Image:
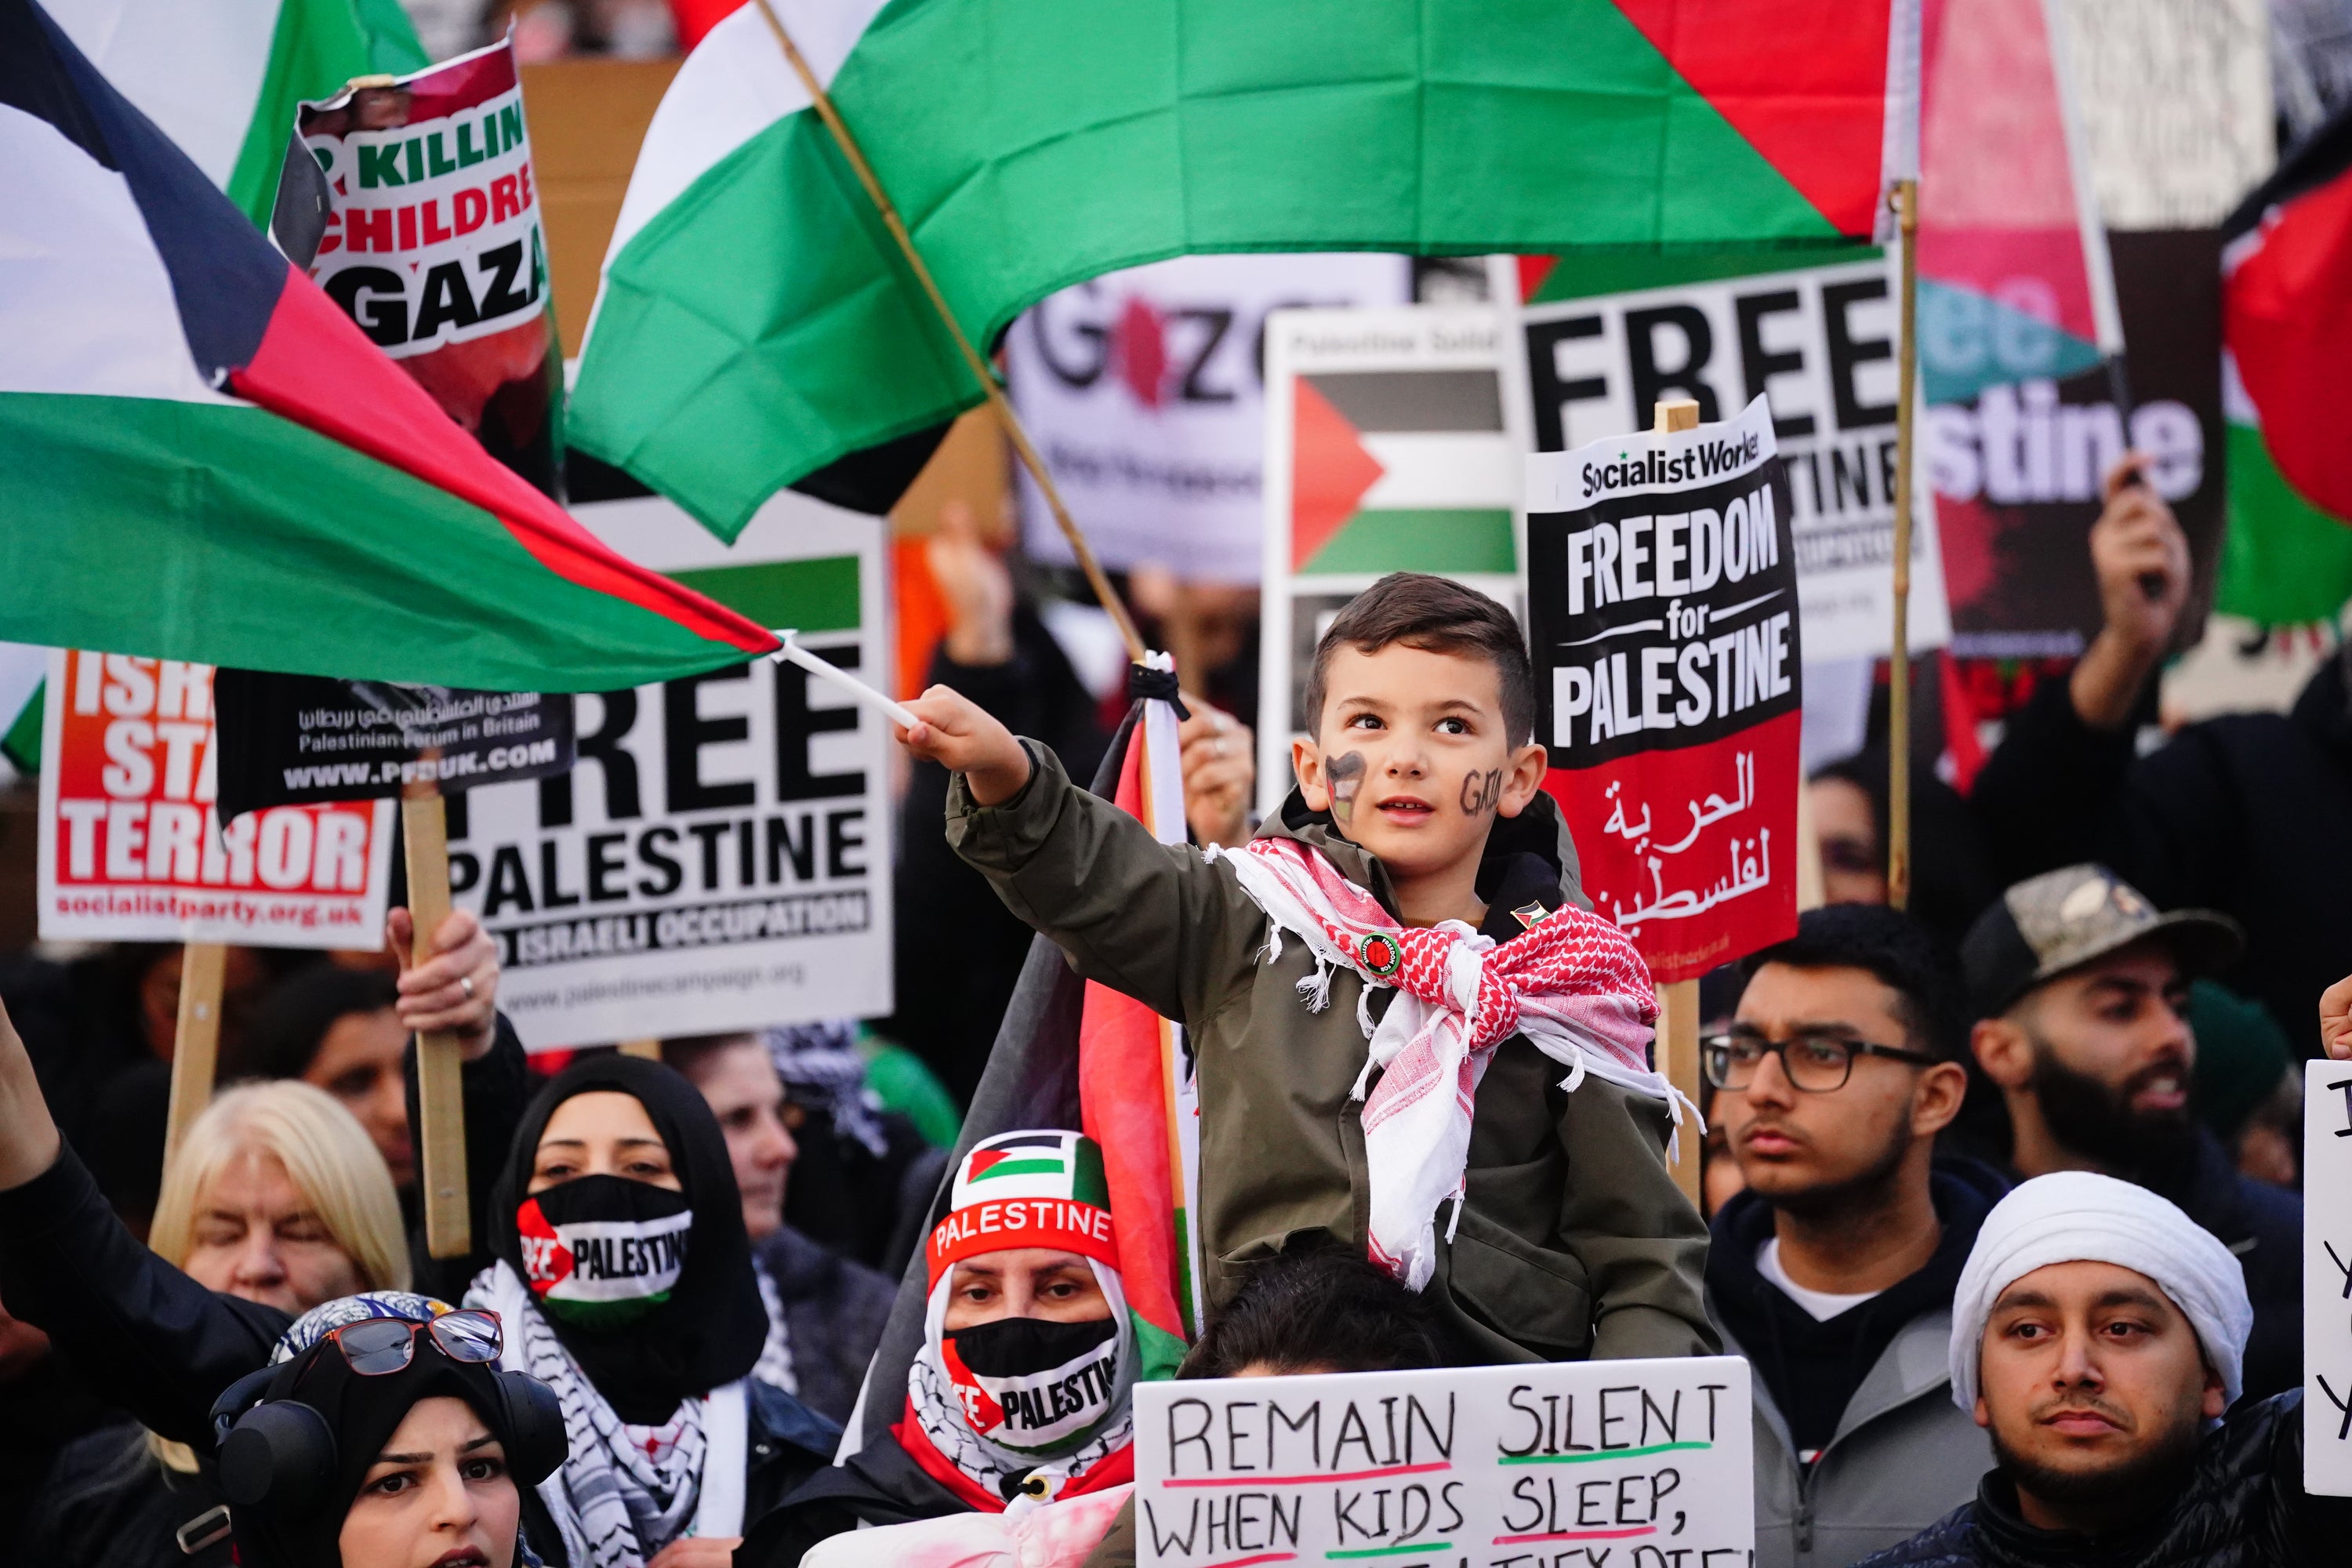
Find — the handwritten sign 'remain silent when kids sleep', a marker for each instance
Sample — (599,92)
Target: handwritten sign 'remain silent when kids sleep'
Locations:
(1620,1464)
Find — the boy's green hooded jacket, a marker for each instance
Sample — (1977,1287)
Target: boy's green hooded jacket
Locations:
(1574,1241)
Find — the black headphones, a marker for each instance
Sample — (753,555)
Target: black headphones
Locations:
(281,1455)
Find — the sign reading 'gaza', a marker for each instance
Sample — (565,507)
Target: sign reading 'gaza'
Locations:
(433,234)
(1661,591)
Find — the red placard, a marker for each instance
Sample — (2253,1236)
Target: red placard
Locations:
(133,847)
(1662,614)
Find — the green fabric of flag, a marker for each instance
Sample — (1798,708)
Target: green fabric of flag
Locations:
(756,322)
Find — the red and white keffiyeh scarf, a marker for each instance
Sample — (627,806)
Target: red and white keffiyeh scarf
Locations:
(1572,984)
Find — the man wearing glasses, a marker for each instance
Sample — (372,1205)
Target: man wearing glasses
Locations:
(2080,989)
(1832,1273)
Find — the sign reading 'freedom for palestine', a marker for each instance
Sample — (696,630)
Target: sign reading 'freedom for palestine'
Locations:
(1662,611)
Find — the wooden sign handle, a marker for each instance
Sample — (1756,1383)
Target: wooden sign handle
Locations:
(648,1048)
(440,1097)
(195,1044)
(1678,1000)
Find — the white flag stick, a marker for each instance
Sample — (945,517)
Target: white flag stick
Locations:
(900,713)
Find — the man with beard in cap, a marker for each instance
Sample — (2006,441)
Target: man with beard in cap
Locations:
(2081,989)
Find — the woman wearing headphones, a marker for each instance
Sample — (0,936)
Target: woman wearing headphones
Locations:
(385,1436)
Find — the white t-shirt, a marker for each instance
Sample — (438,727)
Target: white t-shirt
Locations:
(1823,1304)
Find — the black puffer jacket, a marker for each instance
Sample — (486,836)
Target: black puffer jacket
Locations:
(2244,1507)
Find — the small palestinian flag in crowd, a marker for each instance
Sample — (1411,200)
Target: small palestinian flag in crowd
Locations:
(2286,328)
(227,471)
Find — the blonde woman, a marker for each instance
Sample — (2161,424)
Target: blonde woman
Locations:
(276,1201)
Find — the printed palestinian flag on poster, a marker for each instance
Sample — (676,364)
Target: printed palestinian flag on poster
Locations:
(1385,451)
(222,78)
(226,471)
(2286,322)
(756,325)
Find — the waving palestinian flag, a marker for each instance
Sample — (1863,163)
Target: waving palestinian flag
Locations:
(756,323)
(2286,328)
(207,461)
(223,77)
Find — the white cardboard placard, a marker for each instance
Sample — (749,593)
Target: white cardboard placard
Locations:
(2327,1279)
(720,858)
(1613,1463)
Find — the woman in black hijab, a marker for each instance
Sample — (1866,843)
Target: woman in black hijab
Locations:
(385,1437)
(624,1281)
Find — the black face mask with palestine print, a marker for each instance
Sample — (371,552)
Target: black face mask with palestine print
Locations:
(708,1325)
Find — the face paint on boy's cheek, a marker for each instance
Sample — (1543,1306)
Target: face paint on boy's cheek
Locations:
(1481,793)
(1344,775)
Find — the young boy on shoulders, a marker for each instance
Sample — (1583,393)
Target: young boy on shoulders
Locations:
(1412,1036)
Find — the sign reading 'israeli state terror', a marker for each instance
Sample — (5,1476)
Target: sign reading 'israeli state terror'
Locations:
(1662,613)
(133,844)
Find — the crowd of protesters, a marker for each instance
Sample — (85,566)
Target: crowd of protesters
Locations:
(2001,1196)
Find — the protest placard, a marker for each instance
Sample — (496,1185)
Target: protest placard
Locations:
(134,846)
(428,235)
(1619,1464)
(718,857)
(2017,458)
(1662,619)
(1385,451)
(1818,342)
(1145,390)
(298,739)
(2328,1278)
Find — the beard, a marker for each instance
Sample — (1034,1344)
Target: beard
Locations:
(2144,1487)
(2154,1149)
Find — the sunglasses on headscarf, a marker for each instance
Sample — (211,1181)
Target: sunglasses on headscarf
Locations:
(378,1347)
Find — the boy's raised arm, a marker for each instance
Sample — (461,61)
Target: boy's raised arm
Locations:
(1153,921)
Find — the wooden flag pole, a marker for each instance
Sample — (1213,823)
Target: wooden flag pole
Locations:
(1678,1000)
(440,1097)
(195,1044)
(997,401)
(1898,696)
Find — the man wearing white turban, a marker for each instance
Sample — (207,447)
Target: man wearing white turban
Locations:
(2098,1336)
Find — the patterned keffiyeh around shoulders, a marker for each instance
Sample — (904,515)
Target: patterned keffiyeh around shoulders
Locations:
(1572,984)
(622,1492)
